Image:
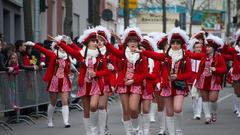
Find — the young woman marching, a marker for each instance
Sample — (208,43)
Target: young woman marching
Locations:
(131,74)
(195,46)
(176,70)
(57,76)
(90,79)
(162,45)
(209,76)
(234,72)
(109,79)
(148,87)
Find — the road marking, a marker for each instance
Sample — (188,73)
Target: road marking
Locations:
(225,97)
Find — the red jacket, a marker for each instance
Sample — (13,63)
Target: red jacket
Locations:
(140,70)
(230,53)
(26,60)
(110,78)
(166,68)
(220,65)
(82,70)
(151,78)
(52,64)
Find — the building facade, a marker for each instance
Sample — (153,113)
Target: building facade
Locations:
(11,20)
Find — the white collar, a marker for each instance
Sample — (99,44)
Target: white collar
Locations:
(175,55)
(150,65)
(91,54)
(103,50)
(61,55)
(131,57)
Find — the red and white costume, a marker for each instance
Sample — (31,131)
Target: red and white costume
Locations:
(204,75)
(88,85)
(132,66)
(110,78)
(57,73)
(150,81)
(172,62)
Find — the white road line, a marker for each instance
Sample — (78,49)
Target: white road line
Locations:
(225,97)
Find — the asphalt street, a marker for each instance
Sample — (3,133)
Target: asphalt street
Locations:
(227,123)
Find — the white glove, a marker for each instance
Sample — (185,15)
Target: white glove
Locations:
(29,43)
(67,39)
(158,86)
(42,64)
(110,67)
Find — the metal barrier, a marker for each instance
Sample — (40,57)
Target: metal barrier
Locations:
(27,89)
(24,90)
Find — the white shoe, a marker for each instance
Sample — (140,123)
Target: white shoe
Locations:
(238,116)
(50,125)
(179,132)
(152,119)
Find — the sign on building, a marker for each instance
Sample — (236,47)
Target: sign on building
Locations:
(153,22)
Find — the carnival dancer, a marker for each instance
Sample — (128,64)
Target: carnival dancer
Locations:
(109,79)
(162,47)
(195,46)
(148,87)
(57,76)
(234,72)
(131,74)
(90,79)
(209,77)
(175,72)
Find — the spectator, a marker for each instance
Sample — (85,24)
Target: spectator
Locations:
(21,52)
(3,60)
(13,62)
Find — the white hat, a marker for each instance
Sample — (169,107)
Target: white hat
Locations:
(200,35)
(104,32)
(215,41)
(58,38)
(177,33)
(87,34)
(191,44)
(131,32)
(150,43)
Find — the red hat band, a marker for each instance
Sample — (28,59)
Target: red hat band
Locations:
(132,35)
(212,43)
(93,35)
(177,36)
(147,44)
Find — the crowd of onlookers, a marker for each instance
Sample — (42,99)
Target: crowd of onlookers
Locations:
(14,57)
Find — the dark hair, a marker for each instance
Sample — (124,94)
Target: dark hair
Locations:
(18,43)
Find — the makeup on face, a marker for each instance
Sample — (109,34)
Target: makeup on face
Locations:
(176,44)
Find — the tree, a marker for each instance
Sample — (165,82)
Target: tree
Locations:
(229,17)
(126,14)
(27,4)
(238,14)
(190,7)
(164,14)
(94,13)
(68,17)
